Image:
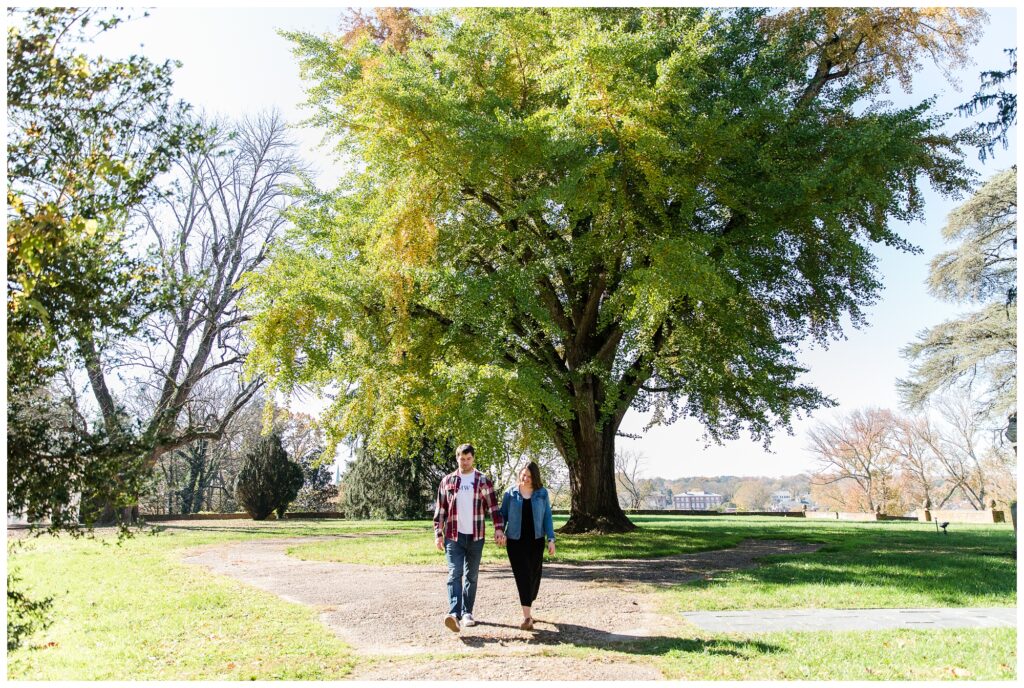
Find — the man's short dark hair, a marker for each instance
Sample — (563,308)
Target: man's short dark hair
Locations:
(465,449)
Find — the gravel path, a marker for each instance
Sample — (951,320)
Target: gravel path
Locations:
(508,668)
(398,610)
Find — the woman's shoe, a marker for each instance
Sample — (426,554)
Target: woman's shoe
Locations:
(527,624)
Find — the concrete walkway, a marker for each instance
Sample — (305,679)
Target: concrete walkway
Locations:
(771,620)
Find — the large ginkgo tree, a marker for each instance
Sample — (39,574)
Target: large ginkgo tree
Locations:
(550,216)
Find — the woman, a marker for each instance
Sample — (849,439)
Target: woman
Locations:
(527,512)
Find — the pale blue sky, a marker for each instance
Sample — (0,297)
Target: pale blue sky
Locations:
(235,63)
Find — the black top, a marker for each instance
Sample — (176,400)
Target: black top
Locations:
(527,532)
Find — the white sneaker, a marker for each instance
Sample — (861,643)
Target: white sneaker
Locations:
(468,620)
(451,623)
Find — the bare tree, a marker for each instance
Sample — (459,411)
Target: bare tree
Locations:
(300,436)
(859,449)
(226,216)
(1000,462)
(556,480)
(633,489)
(898,462)
(841,495)
(504,471)
(223,209)
(916,459)
(969,463)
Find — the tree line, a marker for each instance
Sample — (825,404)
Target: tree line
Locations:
(747,493)
(203,476)
(877,459)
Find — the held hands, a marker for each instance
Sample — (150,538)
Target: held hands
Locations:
(551,547)
(499,538)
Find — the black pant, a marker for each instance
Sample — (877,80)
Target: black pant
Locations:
(527,558)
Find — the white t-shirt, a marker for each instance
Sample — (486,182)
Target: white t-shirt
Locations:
(464,501)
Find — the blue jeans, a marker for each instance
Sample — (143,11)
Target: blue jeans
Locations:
(463,557)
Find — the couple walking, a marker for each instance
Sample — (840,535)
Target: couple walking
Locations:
(521,523)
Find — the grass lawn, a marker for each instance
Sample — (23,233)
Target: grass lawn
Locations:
(977,654)
(133,612)
(875,564)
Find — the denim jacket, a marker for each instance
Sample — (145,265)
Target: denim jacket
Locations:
(512,511)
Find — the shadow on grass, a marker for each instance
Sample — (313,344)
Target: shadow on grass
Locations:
(899,560)
(584,636)
(951,571)
(678,569)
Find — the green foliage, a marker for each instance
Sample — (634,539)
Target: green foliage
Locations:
(317,491)
(267,481)
(397,486)
(983,267)
(556,214)
(979,349)
(86,138)
(25,615)
(994,131)
(52,460)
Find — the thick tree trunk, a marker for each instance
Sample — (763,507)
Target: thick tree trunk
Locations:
(106,514)
(591,461)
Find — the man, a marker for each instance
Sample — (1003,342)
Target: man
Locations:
(463,498)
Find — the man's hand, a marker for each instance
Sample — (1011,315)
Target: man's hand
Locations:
(499,537)
(439,542)
(551,547)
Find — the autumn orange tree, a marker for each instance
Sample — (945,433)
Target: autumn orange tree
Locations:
(859,449)
(551,216)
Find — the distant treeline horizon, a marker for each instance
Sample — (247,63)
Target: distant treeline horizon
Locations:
(726,485)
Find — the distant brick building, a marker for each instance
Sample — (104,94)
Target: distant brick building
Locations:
(697,501)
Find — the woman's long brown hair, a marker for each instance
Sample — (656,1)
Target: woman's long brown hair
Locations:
(535,475)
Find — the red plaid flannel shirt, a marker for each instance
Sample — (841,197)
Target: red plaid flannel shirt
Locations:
(446,520)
